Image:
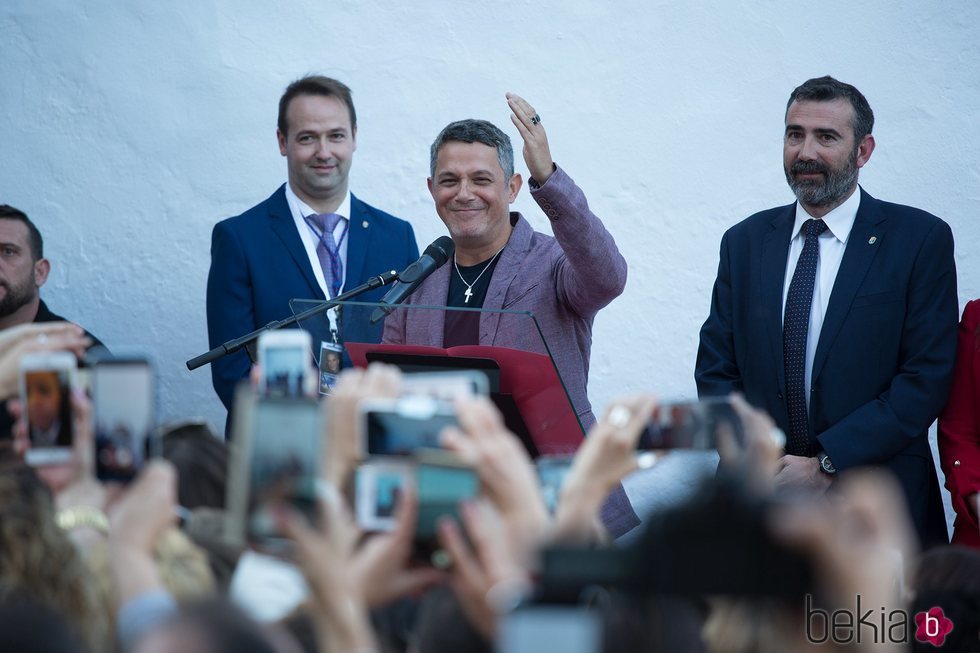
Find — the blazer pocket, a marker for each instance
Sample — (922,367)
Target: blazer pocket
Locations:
(874,299)
(524,293)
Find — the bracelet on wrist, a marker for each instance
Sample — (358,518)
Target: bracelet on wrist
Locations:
(68,519)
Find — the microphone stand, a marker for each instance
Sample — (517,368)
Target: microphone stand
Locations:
(232,346)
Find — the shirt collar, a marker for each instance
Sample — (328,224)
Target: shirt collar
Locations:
(839,221)
(300,207)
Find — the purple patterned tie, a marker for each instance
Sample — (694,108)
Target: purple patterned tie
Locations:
(328,248)
(796,324)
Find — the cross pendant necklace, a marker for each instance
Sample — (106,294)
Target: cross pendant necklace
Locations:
(469,286)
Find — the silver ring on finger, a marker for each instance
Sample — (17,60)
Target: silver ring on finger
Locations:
(619,416)
(42,339)
(535,119)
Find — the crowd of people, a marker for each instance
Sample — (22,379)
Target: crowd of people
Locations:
(832,332)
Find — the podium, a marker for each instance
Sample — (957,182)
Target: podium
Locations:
(524,382)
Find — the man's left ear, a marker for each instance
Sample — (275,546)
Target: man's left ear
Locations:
(41,270)
(353,137)
(865,148)
(514,186)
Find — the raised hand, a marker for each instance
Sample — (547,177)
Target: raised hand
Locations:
(506,472)
(537,154)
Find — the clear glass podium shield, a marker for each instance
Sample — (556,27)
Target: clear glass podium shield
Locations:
(524,381)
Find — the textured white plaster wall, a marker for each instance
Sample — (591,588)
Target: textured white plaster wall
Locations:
(128,128)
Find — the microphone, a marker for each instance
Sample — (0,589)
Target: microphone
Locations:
(434,256)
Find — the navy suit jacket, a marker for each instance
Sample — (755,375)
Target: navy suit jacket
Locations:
(884,360)
(258,263)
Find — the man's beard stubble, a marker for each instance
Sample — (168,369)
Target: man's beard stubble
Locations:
(836,185)
(16,296)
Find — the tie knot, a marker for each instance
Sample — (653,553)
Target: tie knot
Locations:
(814,227)
(325,222)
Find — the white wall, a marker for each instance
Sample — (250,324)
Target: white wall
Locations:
(128,128)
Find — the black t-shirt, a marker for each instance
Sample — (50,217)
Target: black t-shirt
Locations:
(463,327)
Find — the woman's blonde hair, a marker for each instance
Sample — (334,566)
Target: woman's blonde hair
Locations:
(38,559)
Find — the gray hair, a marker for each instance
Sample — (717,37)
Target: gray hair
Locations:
(475,131)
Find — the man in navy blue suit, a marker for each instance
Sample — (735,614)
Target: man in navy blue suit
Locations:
(837,314)
(310,240)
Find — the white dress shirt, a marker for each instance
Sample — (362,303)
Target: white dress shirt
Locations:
(300,210)
(832,243)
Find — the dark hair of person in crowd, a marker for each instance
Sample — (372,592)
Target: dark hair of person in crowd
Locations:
(444,628)
(214,626)
(949,577)
(658,624)
(27,626)
(39,560)
(8,212)
(315,85)
(201,459)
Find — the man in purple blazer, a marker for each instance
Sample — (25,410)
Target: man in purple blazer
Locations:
(502,263)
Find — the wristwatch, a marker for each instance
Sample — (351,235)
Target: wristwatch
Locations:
(826,466)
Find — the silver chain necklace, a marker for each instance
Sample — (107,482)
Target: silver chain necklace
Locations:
(469,286)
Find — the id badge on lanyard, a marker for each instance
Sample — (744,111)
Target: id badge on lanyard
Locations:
(331,354)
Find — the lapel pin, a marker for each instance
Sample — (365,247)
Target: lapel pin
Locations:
(871,241)
(364,224)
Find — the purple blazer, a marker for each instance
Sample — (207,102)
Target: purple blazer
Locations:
(563,280)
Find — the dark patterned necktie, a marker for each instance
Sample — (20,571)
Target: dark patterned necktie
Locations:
(328,249)
(796,324)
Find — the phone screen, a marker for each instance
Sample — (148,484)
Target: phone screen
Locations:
(283,465)
(285,367)
(379,487)
(440,489)
(551,628)
(49,417)
(394,432)
(123,402)
(691,425)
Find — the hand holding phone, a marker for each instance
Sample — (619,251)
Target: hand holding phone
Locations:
(274,463)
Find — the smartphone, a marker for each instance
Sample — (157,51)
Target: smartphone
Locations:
(398,427)
(274,463)
(46,382)
(446,386)
(533,628)
(285,356)
(552,470)
(691,425)
(378,489)
(123,414)
(442,481)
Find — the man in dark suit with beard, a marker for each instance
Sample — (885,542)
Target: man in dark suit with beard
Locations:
(837,314)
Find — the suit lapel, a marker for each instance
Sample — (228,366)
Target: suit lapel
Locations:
(358,243)
(854,266)
(775,249)
(281,220)
(515,252)
(430,323)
